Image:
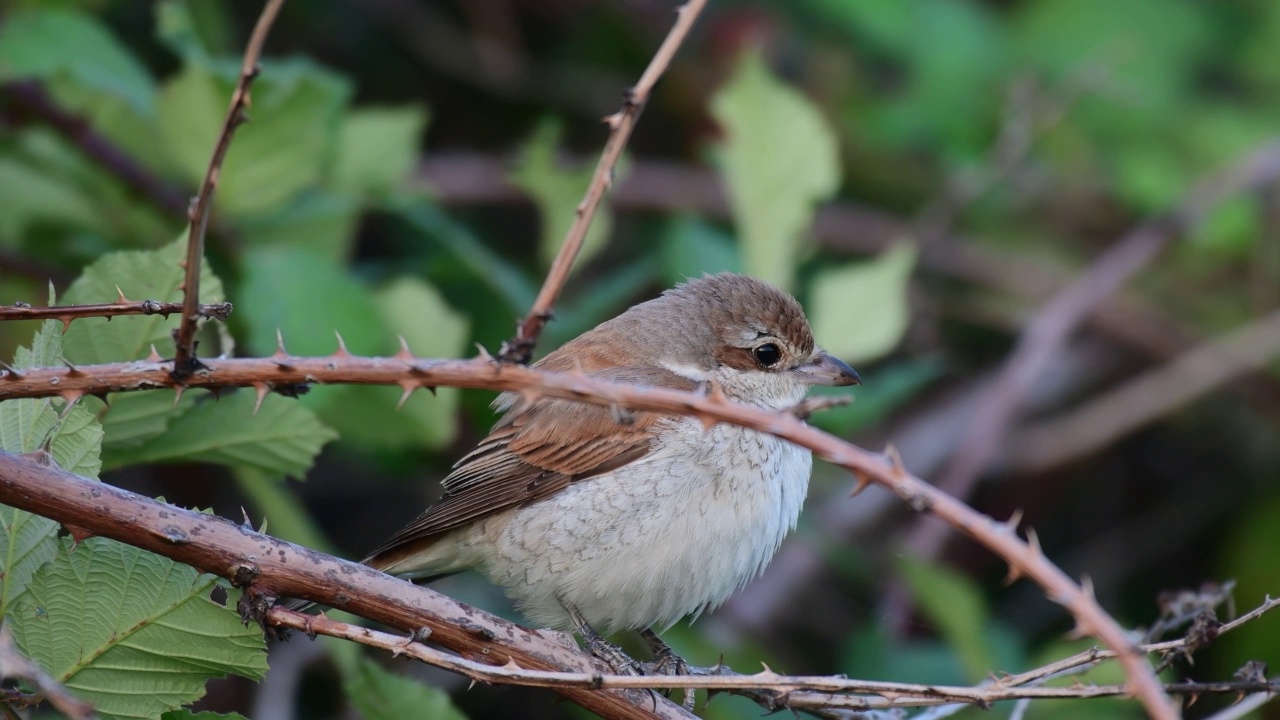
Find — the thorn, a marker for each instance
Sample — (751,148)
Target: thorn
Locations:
(1034,541)
(106,399)
(1086,585)
(216,392)
(280,344)
(246,523)
(11,372)
(342,346)
(432,388)
(77,533)
(280,355)
(405,353)
(1013,522)
(707,422)
(484,354)
(860,484)
(895,460)
(177,395)
(409,387)
(154,356)
(715,393)
(1014,575)
(66,324)
(72,368)
(120,298)
(71,397)
(261,389)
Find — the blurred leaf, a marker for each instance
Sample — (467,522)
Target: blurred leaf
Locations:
(691,246)
(880,394)
(377,148)
(44,44)
(132,633)
(284,149)
(1246,557)
(873,655)
(283,437)
(319,221)
(368,415)
(955,606)
(860,311)
(378,694)
(493,270)
(35,195)
(307,297)
(192,29)
(281,509)
(557,190)
(888,25)
(778,159)
(1149,73)
(185,714)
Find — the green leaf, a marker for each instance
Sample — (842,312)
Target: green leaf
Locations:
(283,437)
(691,246)
(307,297)
(860,311)
(778,158)
(367,415)
(557,190)
(140,275)
(379,694)
(319,221)
(132,633)
(47,44)
(955,606)
(284,149)
(185,714)
(377,148)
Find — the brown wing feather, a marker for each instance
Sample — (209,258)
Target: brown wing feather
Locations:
(534,451)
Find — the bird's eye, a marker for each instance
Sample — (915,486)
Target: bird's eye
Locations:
(768,354)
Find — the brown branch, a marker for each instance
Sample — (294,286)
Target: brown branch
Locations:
(1146,398)
(1047,333)
(1024,557)
(520,348)
(122,306)
(13,664)
(185,361)
(269,568)
(796,692)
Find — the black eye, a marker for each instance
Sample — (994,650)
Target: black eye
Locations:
(767,355)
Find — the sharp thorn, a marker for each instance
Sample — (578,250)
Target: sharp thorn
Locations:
(120,298)
(154,356)
(409,387)
(261,389)
(177,395)
(342,346)
(405,353)
(860,484)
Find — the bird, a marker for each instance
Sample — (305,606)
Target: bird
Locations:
(602,521)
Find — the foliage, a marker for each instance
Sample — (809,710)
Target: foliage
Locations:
(1071,118)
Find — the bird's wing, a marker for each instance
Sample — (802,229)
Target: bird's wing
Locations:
(537,449)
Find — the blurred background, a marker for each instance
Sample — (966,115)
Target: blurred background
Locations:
(1046,232)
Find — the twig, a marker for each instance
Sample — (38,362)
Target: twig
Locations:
(67,313)
(184,361)
(1047,333)
(520,348)
(797,692)
(13,664)
(1151,395)
(1024,557)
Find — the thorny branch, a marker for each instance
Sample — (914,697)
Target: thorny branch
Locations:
(410,373)
(520,348)
(122,306)
(808,693)
(185,362)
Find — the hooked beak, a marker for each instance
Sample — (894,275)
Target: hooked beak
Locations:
(826,369)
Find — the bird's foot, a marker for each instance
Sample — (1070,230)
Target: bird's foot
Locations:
(614,656)
(666,662)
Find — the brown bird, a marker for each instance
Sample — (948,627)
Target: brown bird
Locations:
(598,522)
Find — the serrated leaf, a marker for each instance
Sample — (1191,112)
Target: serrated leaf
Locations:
(860,311)
(185,714)
(130,632)
(377,148)
(778,159)
(283,438)
(955,606)
(557,190)
(367,415)
(136,417)
(46,44)
(284,149)
(378,694)
(141,275)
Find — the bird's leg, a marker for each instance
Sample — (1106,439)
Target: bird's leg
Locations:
(667,662)
(614,656)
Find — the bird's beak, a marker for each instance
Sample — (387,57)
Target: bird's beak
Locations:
(825,369)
